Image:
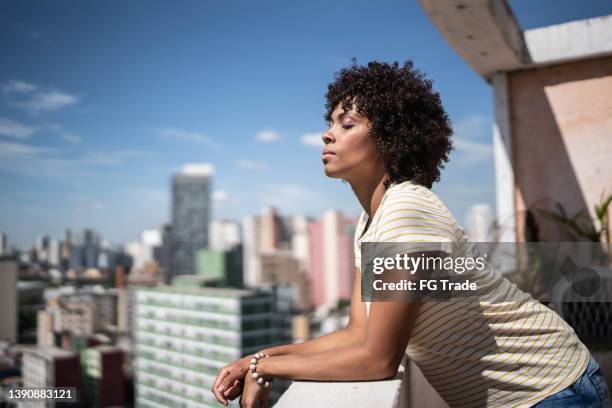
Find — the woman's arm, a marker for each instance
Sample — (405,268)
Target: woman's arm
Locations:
(355,332)
(328,341)
(378,357)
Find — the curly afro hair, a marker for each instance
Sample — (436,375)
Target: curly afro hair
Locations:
(411,128)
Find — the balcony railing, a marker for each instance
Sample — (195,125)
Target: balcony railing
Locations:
(408,388)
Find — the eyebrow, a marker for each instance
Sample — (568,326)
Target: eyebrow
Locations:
(342,115)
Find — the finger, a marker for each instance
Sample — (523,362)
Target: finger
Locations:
(231,387)
(218,387)
(265,398)
(229,381)
(233,391)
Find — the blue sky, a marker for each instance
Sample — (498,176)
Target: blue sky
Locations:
(102,101)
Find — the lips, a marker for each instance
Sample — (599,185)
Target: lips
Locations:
(326,151)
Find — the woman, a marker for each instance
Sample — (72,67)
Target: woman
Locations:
(388,137)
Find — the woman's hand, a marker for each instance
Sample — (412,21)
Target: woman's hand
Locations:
(254,392)
(228,384)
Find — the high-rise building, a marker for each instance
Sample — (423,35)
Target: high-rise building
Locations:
(225,267)
(44,328)
(300,242)
(135,250)
(8,298)
(3,243)
(55,252)
(271,232)
(331,259)
(191,213)
(102,377)
(184,335)
(161,253)
(143,252)
(88,311)
(224,234)
(83,249)
(281,266)
(91,248)
(252,243)
(42,248)
(50,367)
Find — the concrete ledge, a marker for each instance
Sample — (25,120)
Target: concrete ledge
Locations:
(570,41)
(484,32)
(379,394)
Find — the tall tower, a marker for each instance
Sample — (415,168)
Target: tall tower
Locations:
(331,258)
(191,208)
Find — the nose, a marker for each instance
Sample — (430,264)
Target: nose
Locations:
(327,137)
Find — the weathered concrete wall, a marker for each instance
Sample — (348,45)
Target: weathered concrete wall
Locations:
(561,124)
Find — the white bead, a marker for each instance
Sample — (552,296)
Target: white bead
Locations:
(266,384)
(258,355)
(253,361)
(255,375)
(260,381)
(252,366)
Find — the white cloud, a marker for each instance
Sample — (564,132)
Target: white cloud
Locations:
(49,101)
(289,198)
(473,152)
(185,135)
(14,129)
(312,139)
(11,128)
(114,158)
(90,206)
(46,101)
(71,137)
(65,135)
(267,136)
(473,127)
(9,150)
(470,149)
(43,162)
(247,164)
(15,86)
(34,99)
(220,196)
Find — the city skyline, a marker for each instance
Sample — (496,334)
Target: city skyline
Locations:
(121,97)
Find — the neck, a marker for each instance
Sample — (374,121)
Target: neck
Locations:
(369,192)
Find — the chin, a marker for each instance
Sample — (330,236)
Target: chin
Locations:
(329,172)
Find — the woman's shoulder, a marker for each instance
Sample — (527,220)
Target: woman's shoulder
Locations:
(409,195)
(410,207)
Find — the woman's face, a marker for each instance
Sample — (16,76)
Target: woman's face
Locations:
(352,153)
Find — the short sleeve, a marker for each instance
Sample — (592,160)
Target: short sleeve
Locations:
(410,216)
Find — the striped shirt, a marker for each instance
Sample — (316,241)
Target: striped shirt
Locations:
(501,348)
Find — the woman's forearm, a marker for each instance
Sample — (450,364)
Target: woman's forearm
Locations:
(330,341)
(349,363)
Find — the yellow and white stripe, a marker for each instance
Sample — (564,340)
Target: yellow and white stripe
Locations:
(501,348)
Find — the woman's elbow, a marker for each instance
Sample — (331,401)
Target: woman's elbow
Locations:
(383,368)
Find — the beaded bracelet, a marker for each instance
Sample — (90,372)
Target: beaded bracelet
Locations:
(255,374)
